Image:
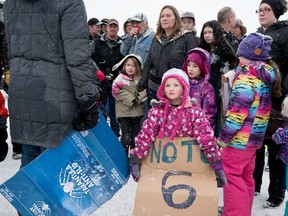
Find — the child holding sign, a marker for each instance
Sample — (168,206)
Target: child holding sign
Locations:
(246,121)
(176,116)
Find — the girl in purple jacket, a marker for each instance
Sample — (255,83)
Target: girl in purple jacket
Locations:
(197,66)
(176,116)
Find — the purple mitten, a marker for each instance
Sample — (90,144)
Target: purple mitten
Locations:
(220,175)
(277,136)
(281,136)
(135,167)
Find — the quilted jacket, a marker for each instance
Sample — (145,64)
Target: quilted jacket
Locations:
(50,68)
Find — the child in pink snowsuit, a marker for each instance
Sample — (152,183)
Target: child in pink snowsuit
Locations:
(176,116)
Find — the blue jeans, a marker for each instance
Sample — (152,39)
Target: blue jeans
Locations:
(29,153)
(108,98)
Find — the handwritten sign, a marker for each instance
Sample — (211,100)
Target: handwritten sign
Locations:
(176,180)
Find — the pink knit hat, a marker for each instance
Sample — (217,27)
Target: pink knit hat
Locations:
(182,77)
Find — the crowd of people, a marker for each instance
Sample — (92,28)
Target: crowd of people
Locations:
(168,82)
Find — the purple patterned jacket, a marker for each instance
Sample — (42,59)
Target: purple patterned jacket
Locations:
(201,89)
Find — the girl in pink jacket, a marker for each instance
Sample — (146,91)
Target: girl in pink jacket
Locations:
(176,116)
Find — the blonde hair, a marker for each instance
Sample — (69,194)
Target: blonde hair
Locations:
(138,71)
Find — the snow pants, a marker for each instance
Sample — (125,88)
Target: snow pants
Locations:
(239,192)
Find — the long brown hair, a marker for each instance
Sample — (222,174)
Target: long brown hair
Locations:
(177,27)
(138,71)
(219,38)
(276,86)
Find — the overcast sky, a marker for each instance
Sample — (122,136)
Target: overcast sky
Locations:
(203,10)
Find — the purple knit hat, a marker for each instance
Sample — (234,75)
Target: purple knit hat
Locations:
(182,77)
(255,47)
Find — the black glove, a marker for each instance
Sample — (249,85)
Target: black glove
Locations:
(3,144)
(135,167)
(141,88)
(89,115)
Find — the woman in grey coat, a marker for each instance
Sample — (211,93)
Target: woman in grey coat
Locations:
(52,76)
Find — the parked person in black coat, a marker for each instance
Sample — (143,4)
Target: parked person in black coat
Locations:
(168,50)
(227,19)
(268,13)
(106,53)
(52,75)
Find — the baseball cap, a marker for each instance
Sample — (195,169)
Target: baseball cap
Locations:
(187,14)
(94,21)
(139,17)
(113,21)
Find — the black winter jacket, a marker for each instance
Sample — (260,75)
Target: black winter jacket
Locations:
(279,53)
(106,54)
(161,58)
(50,68)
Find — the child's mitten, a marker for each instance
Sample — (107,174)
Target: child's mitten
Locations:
(135,167)
(220,175)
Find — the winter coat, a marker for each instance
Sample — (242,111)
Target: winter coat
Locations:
(249,106)
(281,137)
(124,91)
(232,40)
(50,68)
(106,55)
(3,112)
(201,89)
(279,53)
(138,45)
(223,59)
(193,124)
(162,57)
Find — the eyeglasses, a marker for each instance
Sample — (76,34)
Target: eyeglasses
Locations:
(264,10)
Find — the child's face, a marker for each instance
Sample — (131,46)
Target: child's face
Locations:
(208,35)
(187,24)
(193,70)
(130,67)
(173,91)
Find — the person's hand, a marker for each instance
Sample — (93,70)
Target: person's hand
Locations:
(220,175)
(89,115)
(140,88)
(134,31)
(277,136)
(135,167)
(3,144)
(7,77)
(100,75)
(141,96)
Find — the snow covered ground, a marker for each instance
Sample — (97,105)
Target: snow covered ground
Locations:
(122,203)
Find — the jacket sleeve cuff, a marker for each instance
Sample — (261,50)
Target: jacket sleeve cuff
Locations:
(221,143)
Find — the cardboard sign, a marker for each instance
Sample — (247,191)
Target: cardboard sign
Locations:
(176,180)
(76,178)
